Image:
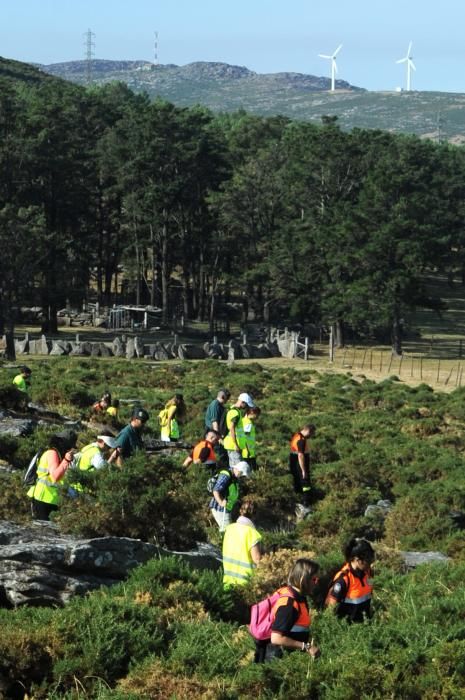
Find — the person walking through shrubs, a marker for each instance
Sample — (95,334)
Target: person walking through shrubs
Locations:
(226,493)
(241,548)
(283,620)
(52,466)
(351,589)
(299,466)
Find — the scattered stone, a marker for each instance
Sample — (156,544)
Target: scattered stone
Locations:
(160,352)
(130,349)
(191,352)
(380,508)
(118,348)
(16,427)
(414,559)
(43,346)
(22,346)
(138,347)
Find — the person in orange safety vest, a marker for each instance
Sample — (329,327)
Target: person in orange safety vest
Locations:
(204,452)
(351,589)
(299,466)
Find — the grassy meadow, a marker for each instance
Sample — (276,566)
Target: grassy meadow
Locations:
(172,632)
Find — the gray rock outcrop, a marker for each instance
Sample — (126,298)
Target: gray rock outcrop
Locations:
(41,566)
(414,559)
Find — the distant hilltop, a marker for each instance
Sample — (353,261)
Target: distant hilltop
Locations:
(226,88)
(150,77)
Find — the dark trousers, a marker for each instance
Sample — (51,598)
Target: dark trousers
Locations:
(41,510)
(265,651)
(301,483)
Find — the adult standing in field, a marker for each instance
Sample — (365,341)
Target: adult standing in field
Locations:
(351,589)
(249,451)
(215,414)
(241,548)
(52,466)
(204,452)
(291,619)
(299,466)
(22,381)
(129,439)
(234,442)
(171,417)
(226,493)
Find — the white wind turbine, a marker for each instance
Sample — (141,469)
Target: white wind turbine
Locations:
(410,65)
(332,58)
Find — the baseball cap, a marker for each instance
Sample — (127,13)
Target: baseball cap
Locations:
(140,413)
(243,468)
(246,398)
(109,441)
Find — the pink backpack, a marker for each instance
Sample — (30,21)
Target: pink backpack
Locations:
(260,614)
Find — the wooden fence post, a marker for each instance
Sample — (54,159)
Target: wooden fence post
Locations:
(439,367)
(400,364)
(363,360)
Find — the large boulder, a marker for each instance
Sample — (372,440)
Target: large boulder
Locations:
(41,566)
(60,347)
(22,346)
(130,349)
(118,347)
(16,427)
(414,559)
(191,352)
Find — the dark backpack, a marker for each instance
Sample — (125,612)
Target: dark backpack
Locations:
(30,476)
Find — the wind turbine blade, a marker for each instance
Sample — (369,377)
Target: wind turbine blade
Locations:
(323,55)
(412,65)
(337,50)
(402,60)
(409,49)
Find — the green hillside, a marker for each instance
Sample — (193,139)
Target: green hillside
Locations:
(222,87)
(171,631)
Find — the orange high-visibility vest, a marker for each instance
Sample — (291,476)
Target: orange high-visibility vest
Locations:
(303,622)
(295,439)
(211,459)
(358,590)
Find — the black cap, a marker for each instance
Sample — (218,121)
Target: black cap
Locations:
(140,413)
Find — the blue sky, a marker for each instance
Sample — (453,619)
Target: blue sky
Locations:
(267,36)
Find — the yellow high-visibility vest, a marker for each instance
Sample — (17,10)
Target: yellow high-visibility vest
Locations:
(45,489)
(248,427)
(228,442)
(238,564)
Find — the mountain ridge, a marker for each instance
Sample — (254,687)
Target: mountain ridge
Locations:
(223,87)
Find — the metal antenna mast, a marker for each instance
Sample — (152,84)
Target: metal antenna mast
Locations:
(90,53)
(155,49)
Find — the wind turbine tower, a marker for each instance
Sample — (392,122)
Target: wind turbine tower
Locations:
(332,58)
(155,50)
(410,65)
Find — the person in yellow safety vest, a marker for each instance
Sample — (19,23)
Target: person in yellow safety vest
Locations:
(112,410)
(234,442)
(241,548)
(249,452)
(92,456)
(299,466)
(53,465)
(226,493)
(170,417)
(22,381)
(351,589)
(204,452)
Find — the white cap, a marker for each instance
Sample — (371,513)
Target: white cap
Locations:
(109,441)
(246,398)
(243,468)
